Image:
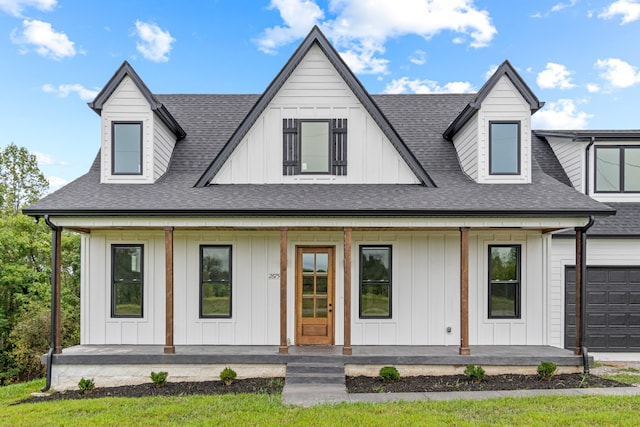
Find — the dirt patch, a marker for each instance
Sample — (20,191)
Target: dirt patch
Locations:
(631,370)
(460,383)
(250,385)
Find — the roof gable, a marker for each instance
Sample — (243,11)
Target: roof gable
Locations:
(126,70)
(316,37)
(505,69)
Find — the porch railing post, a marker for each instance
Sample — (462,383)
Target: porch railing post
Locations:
(58,289)
(346,349)
(464,291)
(169,348)
(284,347)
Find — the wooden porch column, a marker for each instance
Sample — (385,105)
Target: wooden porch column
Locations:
(577,350)
(169,348)
(346,349)
(284,347)
(57,290)
(464,292)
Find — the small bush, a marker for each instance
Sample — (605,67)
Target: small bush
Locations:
(546,370)
(228,375)
(389,373)
(159,378)
(86,386)
(474,373)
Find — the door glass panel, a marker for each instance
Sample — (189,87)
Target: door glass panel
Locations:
(321,285)
(321,307)
(308,263)
(322,263)
(307,307)
(307,285)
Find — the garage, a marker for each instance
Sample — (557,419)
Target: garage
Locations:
(613,308)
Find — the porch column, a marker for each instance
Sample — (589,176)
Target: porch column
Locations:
(346,349)
(169,348)
(284,348)
(577,350)
(464,292)
(55,275)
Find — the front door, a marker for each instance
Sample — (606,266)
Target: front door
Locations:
(314,295)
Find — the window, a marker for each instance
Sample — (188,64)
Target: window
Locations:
(126,280)
(126,149)
(617,169)
(215,281)
(375,282)
(504,148)
(504,282)
(314,146)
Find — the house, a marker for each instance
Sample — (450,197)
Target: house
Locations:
(318,214)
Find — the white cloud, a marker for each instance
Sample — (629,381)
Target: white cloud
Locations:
(555,8)
(16,7)
(419,57)
(299,17)
(56,183)
(154,44)
(405,85)
(618,73)
(629,9)
(46,40)
(555,76)
(45,159)
(593,88)
(360,28)
(562,114)
(63,91)
(491,71)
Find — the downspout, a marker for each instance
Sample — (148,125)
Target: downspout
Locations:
(583,295)
(54,248)
(586,165)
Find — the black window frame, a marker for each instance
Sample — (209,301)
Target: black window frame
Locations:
(200,283)
(517,282)
(388,283)
(113,148)
(292,146)
(114,247)
(519,147)
(621,158)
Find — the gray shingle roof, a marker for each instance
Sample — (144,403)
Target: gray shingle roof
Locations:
(626,221)
(210,120)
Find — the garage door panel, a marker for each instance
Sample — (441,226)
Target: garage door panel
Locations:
(613,308)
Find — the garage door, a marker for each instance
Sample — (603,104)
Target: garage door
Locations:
(613,308)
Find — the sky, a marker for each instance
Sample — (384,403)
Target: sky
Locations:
(580,57)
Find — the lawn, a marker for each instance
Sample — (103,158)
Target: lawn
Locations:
(265,410)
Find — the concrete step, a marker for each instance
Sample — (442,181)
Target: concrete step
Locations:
(315,374)
(315,380)
(315,368)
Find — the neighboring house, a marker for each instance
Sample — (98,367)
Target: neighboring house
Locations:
(316,213)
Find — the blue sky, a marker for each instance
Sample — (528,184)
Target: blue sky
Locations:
(580,57)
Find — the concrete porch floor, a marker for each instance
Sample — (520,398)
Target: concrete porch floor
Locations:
(362,355)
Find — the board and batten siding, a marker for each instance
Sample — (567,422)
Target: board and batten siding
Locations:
(466,144)
(504,103)
(571,156)
(601,252)
(315,90)
(127,104)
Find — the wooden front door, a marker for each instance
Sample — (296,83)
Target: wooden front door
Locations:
(314,295)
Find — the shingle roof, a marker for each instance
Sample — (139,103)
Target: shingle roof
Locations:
(210,120)
(626,221)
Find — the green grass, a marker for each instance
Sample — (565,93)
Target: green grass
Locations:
(264,410)
(624,378)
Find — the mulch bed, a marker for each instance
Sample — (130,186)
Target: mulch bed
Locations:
(249,385)
(460,383)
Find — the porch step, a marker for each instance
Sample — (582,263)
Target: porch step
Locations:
(304,383)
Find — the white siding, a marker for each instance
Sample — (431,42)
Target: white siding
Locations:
(466,143)
(600,252)
(504,102)
(315,90)
(571,156)
(163,142)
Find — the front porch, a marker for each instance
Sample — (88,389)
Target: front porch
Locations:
(111,365)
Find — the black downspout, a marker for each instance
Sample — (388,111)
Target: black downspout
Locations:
(586,165)
(583,295)
(54,248)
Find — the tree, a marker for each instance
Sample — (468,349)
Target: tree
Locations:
(21,181)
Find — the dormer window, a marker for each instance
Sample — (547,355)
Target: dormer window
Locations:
(314,146)
(126,148)
(617,169)
(504,148)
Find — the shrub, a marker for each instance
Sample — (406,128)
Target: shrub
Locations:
(86,386)
(389,373)
(474,373)
(159,378)
(546,370)
(228,375)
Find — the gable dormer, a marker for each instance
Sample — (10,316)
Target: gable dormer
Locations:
(138,134)
(315,123)
(492,134)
